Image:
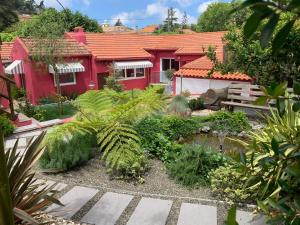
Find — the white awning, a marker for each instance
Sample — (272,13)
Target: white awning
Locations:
(16,67)
(67,68)
(132,65)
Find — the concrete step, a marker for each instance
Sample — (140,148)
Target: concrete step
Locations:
(151,211)
(247,218)
(108,209)
(73,201)
(195,214)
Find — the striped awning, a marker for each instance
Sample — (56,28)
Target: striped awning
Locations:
(68,68)
(16,67)
(132,65)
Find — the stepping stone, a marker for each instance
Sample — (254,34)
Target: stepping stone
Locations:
(73,201)
(10,143)
(108,209)
(195,214)
(247,218)
(151,211)
(48,183)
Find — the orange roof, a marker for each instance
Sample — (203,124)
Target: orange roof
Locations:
(203,73)
(5,50)
(65,47)
(149,29)
(201,67)
(135,45)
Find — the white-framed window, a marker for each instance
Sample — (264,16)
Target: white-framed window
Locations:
(132,73)
(66,79)
(168,64)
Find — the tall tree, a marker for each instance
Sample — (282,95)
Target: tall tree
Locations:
(119,23)
(8,15)
(184,23)
(218,17)
(170,23)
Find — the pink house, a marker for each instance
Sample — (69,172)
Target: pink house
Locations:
(141,59)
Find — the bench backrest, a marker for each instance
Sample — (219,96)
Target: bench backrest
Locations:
(246,92)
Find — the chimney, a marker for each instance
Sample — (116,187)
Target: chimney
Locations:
(79,35)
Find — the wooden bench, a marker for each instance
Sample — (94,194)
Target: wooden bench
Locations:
(245,95)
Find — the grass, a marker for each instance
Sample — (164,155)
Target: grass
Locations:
(50,112)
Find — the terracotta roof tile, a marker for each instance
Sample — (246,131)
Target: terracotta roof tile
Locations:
(203,73)
(69,47)
(135,45)
(5,50)
(201,63)
(149,29)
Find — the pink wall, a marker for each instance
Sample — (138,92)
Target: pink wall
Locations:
(39,83)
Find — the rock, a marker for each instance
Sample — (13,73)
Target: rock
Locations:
(205,129)
(215,133)
(242,134)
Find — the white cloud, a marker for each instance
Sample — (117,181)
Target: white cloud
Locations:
(65,3)
(203,6)
(184,2)
(157,9)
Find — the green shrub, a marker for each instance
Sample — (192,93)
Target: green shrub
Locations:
(157,133)
(175,127)
(31,111)
(128,162)
(233,122)
(191,167)
(6,125)
(196,104)
(227,182)
(179,106)
(65,154)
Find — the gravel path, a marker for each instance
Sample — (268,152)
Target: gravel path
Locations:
(156,181)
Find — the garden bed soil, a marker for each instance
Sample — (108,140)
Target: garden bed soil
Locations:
(156,181)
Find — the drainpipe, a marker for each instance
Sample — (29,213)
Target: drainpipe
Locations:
(181,84)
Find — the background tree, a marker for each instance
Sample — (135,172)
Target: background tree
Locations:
(170,24)
(119,23)
(8,14)
(184,23)
(218,17)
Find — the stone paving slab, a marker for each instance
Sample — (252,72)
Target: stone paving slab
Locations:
(10,143)
(195,214)
(73,201)
(247,218)
(48,183)
(108,209)
(151,211)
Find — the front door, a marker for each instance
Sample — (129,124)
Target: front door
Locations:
(102,80)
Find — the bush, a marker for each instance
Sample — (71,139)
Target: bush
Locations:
(191,167)
(31,111)
(65,154)
(227,182)
(232,122)
(157,133)
(127,163)
(6,125)
(175,127)
(196,104)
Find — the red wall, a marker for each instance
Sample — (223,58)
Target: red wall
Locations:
(39,83)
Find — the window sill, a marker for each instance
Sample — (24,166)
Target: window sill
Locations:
(66,84)
(131,78)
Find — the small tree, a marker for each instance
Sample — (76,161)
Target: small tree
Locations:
(184,23)
(170,24)
(119,23)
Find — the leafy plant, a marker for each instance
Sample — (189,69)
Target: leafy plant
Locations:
(27,195)
(111,116)
(31,111)
(191,167)
(6,126)
(175,127)
(231,217)
(225,121)
(196,104)
(227,182)
(272,163)
(65,154)
(179,106)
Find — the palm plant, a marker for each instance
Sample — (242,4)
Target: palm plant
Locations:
(179,105)
(110,115)
(21,194)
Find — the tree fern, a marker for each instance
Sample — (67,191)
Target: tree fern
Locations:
(110,114)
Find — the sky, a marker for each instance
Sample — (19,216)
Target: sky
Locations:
(134,13)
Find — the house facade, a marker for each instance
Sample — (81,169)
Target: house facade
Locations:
(89,57)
